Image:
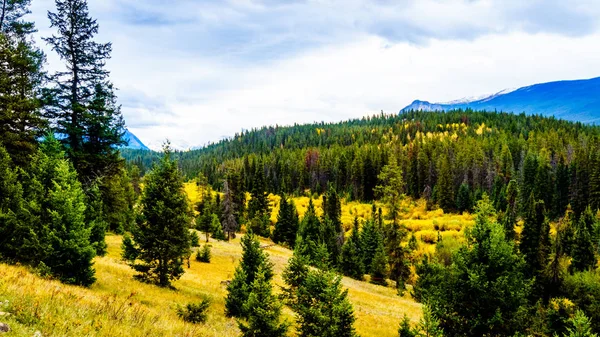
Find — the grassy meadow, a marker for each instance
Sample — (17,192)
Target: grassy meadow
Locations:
(119,305)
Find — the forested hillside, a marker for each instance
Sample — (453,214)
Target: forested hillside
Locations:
(447,158)
(490,221)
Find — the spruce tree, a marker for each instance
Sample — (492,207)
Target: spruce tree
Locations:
(487,274)
(370,240)
(162,238)
(332,222)
(21,79)
(445,185)
(253,260)
(12,228)
(391,188)
(405,330)
(204,222)
(463,198)
(583,257)
(379,267)
(322,307)
(428,325)
(217,228)
(71,252)
(397,255)
(287,224)
(535,245)
(509,219)
(311,232)
(263,310)
(351,259)
(82,104)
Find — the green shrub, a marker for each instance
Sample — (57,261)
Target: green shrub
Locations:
(194,313)
(195,239)
(203,254)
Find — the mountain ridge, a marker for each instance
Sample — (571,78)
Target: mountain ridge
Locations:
(572,100)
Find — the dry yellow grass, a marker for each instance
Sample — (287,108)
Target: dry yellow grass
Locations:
(118,305)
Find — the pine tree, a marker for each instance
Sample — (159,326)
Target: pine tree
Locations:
(162,239)
(391,188)
(229,222)
(287,224)
(397,255)
(509,219)
(204,222)
(527,180)
(253,260)
(294,274)
(217,228)
(259,203)
(263,310)
(561,189)
(405,330)
(583,249)
(21,79)
(379,267)
(82,102)
(535,244)
(370,240)
(445,185)
(322,307)
(352,264)
(94,216)
(71,253)
(595,180)
(311,233)
(428,325)
(332,222)
(486,273)
(12,228)
(463,198)
(581,326)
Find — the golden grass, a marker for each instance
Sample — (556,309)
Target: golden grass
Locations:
(118,305)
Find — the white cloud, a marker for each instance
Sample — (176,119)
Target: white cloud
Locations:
(195,71)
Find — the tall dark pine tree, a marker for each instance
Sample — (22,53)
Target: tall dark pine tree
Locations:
(509,219)
(583,245)
(352,264)
(333,235)
(535,243)
(162,239)
(82,102)
(445,185)
(21,78)
(287,224)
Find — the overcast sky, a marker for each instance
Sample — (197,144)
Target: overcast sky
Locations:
(195,71)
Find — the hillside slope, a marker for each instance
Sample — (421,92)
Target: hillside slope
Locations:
(119,305)
(577,101)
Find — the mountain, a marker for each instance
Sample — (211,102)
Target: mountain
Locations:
(577,100)
(134,142)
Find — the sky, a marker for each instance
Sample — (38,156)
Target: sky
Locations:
(197,71)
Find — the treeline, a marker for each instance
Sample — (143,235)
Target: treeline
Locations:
(63,183)
(449,158)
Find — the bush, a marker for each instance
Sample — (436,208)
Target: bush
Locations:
(203,254)
(194,313)
(195,239)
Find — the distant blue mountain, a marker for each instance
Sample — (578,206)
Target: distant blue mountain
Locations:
(133,141)
(577,100)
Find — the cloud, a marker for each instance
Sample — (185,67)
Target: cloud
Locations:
(193,70)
